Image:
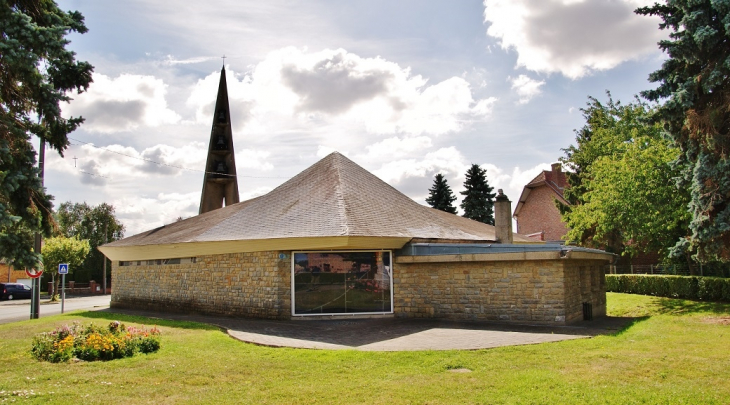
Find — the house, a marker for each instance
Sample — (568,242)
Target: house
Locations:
(337,240)
(10,275)
(536,214)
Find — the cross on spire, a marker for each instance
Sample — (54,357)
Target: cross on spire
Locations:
(224,60)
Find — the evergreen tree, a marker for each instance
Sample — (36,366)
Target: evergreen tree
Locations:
(478,203)
(36,73)
(440,195)
(694,85)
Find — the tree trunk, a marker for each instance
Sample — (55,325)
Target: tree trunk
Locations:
(690,267)
(56,282)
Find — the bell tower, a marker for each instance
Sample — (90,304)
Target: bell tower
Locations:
(220,184)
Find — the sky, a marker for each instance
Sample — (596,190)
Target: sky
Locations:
(406,89)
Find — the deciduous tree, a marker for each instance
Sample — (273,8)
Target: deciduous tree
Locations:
(63,250)
(623,195)
(97,224)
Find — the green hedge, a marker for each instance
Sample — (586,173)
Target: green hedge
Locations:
(687,287)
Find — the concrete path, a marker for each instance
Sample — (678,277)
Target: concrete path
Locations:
(390,334)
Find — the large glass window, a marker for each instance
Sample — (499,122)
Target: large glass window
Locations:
(341,282)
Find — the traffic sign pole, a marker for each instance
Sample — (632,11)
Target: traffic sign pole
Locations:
(35,291)
(63,291)
(63,270)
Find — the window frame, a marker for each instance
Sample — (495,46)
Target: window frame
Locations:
(347,314)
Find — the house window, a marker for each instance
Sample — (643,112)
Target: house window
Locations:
(342,283)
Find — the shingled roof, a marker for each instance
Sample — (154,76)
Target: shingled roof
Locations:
(334,198)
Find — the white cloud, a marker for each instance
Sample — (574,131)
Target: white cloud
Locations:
(144,213)
(253,159)
(526,88)
(571,37)
(448,161)
(170,60)
(323,151)
(293,88)
(398,147)
(117,162)
(512,183)
(123,103)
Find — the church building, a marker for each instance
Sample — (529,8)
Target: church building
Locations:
(336,241)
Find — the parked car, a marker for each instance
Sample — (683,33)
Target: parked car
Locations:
(14,291)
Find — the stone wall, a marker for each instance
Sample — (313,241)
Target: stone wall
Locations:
(242,284)
(534,291)
(484,288)
(585,282)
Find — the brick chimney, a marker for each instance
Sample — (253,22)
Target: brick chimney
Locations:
(503,218)
(556,167)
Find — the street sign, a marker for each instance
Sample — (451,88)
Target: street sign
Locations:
(63,268)
(34,273)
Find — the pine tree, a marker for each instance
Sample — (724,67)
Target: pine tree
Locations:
(440,195)
(694,87)
(37,73)
(478,203)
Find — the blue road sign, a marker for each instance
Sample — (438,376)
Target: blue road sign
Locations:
(63,268)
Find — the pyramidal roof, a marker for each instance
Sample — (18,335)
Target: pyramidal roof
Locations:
(332,198)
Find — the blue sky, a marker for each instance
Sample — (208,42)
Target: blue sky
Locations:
(406,89)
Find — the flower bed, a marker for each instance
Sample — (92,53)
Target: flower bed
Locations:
(92,342)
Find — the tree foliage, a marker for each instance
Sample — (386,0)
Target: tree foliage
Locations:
(478,203)
(440,195)
(622,190)
(64,250)
(694,85)
(97,224)
(36,73)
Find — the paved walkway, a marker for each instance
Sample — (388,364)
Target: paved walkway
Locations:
(390,334)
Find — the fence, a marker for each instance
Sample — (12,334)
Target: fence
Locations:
(74,288)
(714,270)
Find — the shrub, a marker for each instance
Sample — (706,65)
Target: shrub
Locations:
(92,343)
(687,287)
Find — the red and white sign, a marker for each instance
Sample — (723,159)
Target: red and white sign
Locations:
(34,273)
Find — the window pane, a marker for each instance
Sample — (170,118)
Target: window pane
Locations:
(347,282)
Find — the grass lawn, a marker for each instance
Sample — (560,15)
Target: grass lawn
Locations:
(677,352)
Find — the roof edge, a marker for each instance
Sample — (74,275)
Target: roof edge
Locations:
(194,249)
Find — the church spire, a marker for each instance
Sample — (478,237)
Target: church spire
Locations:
(220,184)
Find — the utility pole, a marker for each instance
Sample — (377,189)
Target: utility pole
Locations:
(106,240)
(35,301)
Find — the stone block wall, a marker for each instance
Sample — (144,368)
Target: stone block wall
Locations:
(252,284)
(534,291)
(585,282)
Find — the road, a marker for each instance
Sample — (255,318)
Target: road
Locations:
(19,310)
